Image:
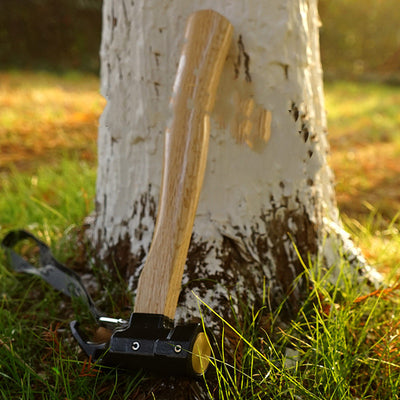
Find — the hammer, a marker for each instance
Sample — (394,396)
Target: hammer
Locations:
(150,340)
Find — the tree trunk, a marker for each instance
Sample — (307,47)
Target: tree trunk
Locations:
(267,189)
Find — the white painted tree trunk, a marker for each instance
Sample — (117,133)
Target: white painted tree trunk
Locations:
(265,190)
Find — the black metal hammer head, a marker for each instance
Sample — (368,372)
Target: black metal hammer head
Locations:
(151,342)
(147,341)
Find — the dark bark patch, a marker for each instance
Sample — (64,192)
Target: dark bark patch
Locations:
(286,71)
(157,56)
(145,205)
(156,88)
(288,230)
(122,260)
(304,130)
(260,252)
(294,111)
(119,263)
(285,231)
(242,55)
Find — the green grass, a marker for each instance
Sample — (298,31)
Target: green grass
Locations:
(45,116)
(363,112)
(51,197)
(364,124)
(38,359)
(341,345)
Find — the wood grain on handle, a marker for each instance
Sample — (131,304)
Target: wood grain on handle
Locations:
(207,40)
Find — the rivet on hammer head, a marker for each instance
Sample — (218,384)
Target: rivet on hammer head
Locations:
(135,346)
(178,348)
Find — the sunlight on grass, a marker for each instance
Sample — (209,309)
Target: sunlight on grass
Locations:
(341,345)
(51,199)
(361,113)
(378,239)
(364,133)
(44,115)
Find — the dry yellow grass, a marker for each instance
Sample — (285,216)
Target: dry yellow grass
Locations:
(364,127)
(43,116)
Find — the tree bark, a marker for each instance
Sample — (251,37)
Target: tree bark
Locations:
(268,189)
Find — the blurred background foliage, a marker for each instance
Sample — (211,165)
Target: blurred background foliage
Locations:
(50,34)
(360,39)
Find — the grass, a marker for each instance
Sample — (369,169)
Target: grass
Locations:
(340,346)
(38,359)
(44,117)
(364,122)
(51,197)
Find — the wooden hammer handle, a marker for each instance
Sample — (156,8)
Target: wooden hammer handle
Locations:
(207,40)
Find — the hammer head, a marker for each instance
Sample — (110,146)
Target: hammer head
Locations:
(151,342)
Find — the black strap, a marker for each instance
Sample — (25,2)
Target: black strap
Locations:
(53,272)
